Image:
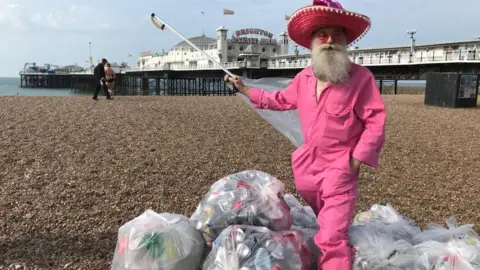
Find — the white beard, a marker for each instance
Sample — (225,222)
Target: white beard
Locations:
(330,62)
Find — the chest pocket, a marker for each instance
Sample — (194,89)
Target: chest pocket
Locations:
(337,123)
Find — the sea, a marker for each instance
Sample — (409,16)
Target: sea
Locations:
(11,87)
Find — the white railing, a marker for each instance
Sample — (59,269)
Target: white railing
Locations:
(146,68)
(82,73)
(418,58)
(389,60)
(287,65)
(364,59)
(86,72)
(231,65)
(290,61)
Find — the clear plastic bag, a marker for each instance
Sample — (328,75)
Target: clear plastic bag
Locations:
(436,232)
(158,241)
(384,213)
(375,250)
(429,253)
(303,217)
(309,236)
(253,247)
(386,219)
(249,197)
(463,255)
(286,122)
(292,201)
(453,255)
(304,220)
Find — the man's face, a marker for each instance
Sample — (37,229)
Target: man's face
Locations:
(330,35)
(330,61)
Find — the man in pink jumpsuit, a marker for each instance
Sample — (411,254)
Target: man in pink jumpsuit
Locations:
(342,116)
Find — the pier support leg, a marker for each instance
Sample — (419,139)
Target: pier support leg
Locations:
(157,86)
(145,86)
(381,86)
(245,73)
(395,87)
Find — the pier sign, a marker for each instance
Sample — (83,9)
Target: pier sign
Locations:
(238,38)
(253,31)
(245,40)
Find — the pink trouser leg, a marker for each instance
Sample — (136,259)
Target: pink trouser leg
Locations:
(333,196)
(339,194)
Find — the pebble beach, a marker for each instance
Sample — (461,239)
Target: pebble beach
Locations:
(74,170)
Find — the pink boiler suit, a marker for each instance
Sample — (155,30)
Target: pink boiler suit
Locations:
(348,120)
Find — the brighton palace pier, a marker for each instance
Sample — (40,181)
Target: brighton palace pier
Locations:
(256,53)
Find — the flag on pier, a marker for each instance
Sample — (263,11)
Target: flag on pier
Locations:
(287,17)
(228,12)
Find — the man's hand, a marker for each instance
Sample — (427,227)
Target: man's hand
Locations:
(238,84)
(355,165)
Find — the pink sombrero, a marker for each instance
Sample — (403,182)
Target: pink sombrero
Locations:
(325,13)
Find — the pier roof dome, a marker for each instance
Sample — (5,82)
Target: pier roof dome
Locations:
(201,42)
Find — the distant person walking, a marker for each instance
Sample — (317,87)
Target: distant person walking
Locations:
(99,74)
(110,77)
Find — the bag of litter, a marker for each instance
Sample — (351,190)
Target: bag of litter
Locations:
(429,253)
(453,255)
(158,241)
(302,216)
(439,233)
(253,247)
(375,250)
(388,220)
(309,236)
(292,201)
(249,197)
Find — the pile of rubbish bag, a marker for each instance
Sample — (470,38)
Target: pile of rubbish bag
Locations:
(158,241)
(253,247)
(245,221)
(250,198)
(384,239)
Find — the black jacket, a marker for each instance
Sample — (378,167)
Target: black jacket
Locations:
(99,71)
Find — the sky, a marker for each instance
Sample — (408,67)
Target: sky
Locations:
(59,31)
